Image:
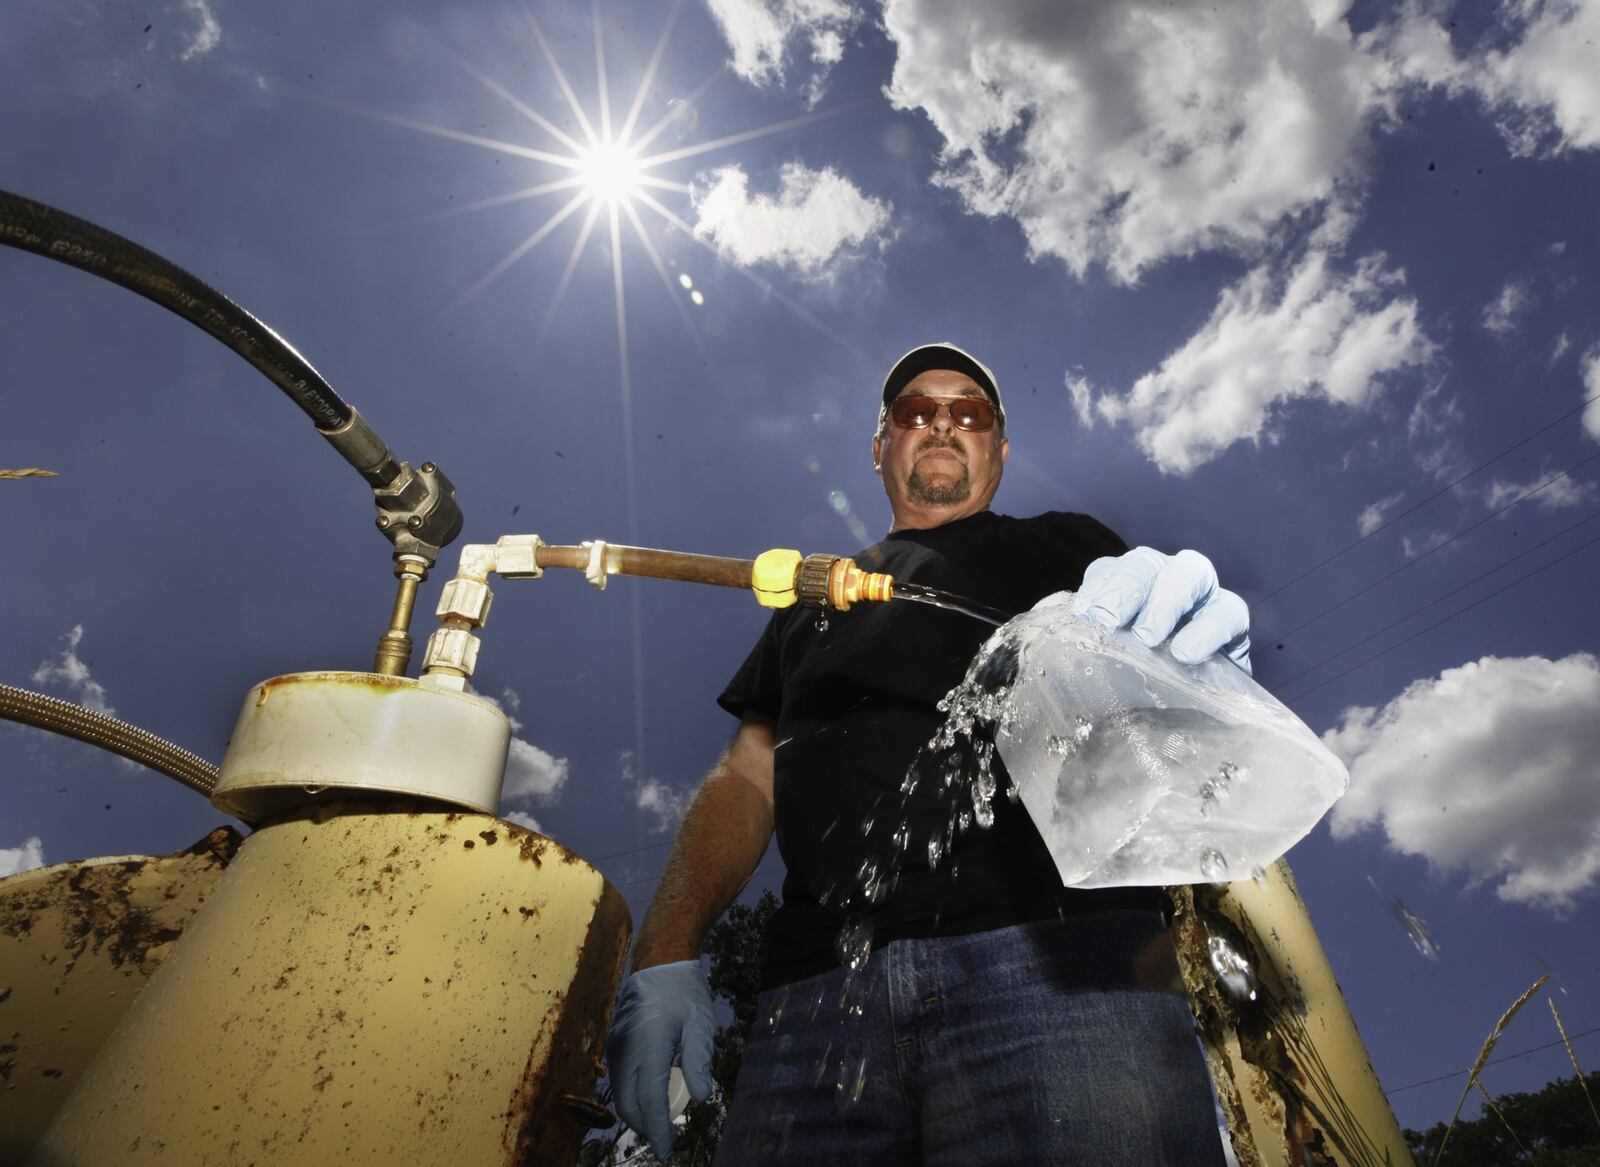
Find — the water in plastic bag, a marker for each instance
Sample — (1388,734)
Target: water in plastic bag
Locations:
(1139,770)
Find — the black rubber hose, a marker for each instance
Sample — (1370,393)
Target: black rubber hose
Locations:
(31,226)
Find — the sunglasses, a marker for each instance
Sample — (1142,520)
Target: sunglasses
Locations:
(972,414)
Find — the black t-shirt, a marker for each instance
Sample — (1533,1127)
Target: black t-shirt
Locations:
(855,703)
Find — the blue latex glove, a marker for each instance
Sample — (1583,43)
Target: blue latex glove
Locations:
(1158,593)
(664,1015)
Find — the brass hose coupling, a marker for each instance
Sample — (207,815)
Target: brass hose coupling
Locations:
(834,581)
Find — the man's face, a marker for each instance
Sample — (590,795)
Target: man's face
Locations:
(939,473)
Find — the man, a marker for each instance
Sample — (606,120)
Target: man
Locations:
(932,993)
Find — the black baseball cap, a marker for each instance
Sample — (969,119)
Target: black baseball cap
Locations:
(940,355)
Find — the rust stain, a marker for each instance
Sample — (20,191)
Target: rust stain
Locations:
(540,1128)
(489,837)
(103,917)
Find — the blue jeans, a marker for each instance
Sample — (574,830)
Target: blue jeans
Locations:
(1066,1041)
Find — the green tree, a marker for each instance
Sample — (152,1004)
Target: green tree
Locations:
(1553,1127)
(735,945)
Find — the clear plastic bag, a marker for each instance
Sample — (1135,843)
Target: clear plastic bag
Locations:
(1139,770)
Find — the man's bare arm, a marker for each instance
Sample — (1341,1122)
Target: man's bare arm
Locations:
(723,836)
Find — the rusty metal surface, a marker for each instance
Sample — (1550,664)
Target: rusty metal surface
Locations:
(77,943)
(366,984)
(544,1124)
(1290,1070)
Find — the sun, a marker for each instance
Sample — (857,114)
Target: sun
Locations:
(610,172)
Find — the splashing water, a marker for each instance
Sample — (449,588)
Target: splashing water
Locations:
(1416,928)
(1233,971)
(855,944)
(953,603)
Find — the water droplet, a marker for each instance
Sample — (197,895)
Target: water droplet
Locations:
(866,825)
(825,896)
(955,871)
(1416,928)
(935,852)
(828,830)
(1233,971)
(1082,729)
(963,820)
(1087,671)
(854,944)
(871,879)
(852,1080)
(1258,876)
(1213,865)
(901,838)
(1060,747)
(775,1011)
(822,1064)
(822,621)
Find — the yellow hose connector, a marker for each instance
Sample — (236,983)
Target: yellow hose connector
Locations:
(772,579)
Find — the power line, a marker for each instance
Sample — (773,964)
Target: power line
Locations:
(1441,491)
(1438,599)
(1520,579)
(1492,1062)
(1437,547)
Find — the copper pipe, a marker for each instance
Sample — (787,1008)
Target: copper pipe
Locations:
(648,561)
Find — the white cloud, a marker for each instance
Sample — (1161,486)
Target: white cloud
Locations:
(1488,769)
(763,33)
(1553,493)
(522,819)
(815,215)
(69,671)
(1412,548)
(26,857)
(1563,343)
(1377,514)
(1543,90)
(1124,132)
(532,774)
(1500,314)
(1591,388)
(1271,339)
(1081,393)
(207,33)
(662,802)
(1431,427)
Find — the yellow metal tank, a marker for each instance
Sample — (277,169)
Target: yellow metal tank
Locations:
(368,983)
(77,943)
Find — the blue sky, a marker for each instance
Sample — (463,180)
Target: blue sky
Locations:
(1260,282)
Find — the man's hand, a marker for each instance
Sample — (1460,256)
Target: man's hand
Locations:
(664,1013)
(1158,594)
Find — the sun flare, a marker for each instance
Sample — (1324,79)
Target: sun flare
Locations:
(611,172)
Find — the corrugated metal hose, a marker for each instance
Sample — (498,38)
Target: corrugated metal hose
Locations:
(108,733)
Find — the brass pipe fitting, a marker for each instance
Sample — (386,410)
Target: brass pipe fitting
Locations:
(834,581)
(394,646)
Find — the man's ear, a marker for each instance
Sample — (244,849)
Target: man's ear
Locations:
(1005,449)
(877,453)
